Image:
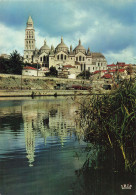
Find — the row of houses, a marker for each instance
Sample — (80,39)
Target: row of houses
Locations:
(69,71)
(113,70)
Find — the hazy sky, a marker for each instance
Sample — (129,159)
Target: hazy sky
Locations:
(107,26)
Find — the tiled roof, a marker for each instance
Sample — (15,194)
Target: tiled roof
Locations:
(121,70)
(111,65)
(107,76)
(114,70)
(97,71)
(68,66)
(30,68)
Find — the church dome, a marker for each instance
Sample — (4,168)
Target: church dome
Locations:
(79,48)
(62,46)
(45,48)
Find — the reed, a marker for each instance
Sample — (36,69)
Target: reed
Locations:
(110,120)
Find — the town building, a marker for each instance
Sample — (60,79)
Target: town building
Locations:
(5,56)
(61,55)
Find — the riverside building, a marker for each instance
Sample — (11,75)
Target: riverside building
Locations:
(80,58)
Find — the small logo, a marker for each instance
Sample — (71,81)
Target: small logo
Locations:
(126,187)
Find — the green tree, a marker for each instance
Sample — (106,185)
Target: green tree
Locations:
(4,65)
(16,63)
(84,75)
(53,72)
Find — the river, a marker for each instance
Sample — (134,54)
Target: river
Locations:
(42,147)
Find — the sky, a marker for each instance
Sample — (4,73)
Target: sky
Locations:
(106,26)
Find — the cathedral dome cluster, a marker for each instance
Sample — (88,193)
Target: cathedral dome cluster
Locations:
(80,58)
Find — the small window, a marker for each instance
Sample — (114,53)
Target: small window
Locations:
(40,58)
(65,57)
(93,68)
(71,58)
(76,58)
(58,57)
(83,58)
(89,68)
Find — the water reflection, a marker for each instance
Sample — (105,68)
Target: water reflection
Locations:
(51,119)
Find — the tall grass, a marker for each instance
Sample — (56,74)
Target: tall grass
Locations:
(110,120)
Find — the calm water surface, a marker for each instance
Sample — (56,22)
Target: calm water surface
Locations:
(40,147)
(39,140)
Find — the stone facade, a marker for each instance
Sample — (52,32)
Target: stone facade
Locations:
(81,58)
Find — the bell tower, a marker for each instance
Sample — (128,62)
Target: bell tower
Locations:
(29,41)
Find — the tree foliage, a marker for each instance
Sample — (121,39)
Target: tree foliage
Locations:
(52,72)
(13,65)
(85,74)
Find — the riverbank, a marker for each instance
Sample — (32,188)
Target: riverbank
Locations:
(28,93)
(18,82)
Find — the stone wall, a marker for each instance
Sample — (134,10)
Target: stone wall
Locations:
(15,82)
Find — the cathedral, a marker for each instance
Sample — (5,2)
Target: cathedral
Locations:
(79,58)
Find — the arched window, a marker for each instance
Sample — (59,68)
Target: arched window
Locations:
(65,57)
(41,59)
(58,57)
(44,58)
(79,58)
(61,56)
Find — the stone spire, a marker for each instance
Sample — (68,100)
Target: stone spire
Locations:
(61,39)
(88,51)
(29,23)
(79,42)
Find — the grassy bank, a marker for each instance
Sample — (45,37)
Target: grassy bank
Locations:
(110,120)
